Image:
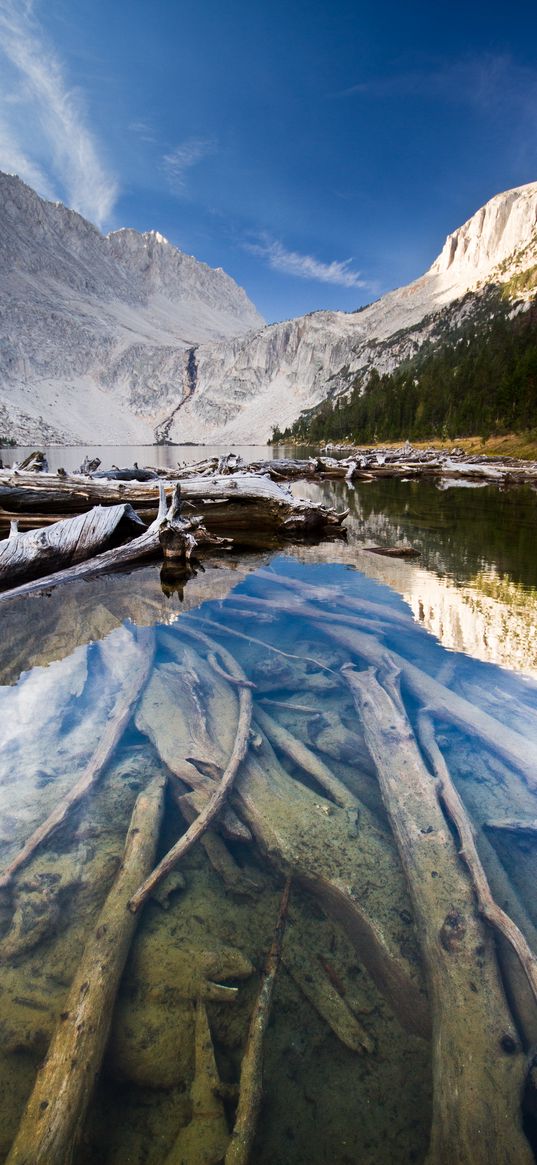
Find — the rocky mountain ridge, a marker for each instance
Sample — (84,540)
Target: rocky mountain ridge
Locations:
(122,338)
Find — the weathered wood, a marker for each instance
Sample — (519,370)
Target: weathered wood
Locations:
(94,769)
(302,833)
(478,1064)
(72,540)
(205,1138)
(251,1084)
(246,506)
(54,1116)
(513,825)
(456,812)
(211,810)
(303,756)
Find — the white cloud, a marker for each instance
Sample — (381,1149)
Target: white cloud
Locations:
(43,98)
(178,161)
(306,266)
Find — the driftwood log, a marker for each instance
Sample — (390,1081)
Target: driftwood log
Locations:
(72,540)
(251,1084)
(246,507)
(54,1116)
(478,1065)
(222,789)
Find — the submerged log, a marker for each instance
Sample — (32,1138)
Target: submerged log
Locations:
(54,1116)
(303,834)
(456,812)
(513,825)
(94,769)
(303,756)
(251,1084)
(222,789)
(71,540)
(478,1067)
(205,1138)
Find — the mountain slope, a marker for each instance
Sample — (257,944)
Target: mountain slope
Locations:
(245,386)
(96,331)
(123,338)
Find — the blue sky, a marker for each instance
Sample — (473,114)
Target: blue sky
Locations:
(318,152)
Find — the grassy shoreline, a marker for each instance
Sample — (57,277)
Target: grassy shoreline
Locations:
(522,445)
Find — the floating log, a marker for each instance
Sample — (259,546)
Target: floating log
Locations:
(245,506)
(213,807)
(251,1084)
(476,1053)
(72,540)
(54,1116)
(104,751)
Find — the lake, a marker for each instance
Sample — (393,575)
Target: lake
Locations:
(348,1066)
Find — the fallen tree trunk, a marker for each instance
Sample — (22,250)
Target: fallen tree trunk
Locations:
(310,839)
(111,736)
(251,1085)
(54,1116)
(246,506)
(215,804)
(63,543)
(478,1067)
(140,549)
(513,825)
(303,756)
(456,812)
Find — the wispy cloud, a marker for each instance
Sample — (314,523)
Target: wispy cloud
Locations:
(179,160)
(34,85)
(143,129)
(339,271)
(482,81)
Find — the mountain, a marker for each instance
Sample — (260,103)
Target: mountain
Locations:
(96,332)
(245,386)
(122,338)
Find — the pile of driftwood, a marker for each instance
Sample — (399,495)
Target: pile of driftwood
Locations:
(236,768)
(372,464)
(244,510)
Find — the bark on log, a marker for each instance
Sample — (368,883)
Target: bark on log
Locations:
(64,543)
(251,1085)
(54,1116)
(111,736)
(213,807)
(477,1069)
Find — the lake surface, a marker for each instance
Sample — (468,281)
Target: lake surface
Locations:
(348,1073)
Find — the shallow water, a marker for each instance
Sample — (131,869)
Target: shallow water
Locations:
(347,1077)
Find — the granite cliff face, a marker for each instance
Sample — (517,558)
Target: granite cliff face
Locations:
(245,386)
(96,331)
(123,338)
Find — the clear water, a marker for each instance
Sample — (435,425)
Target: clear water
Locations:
(463,613)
